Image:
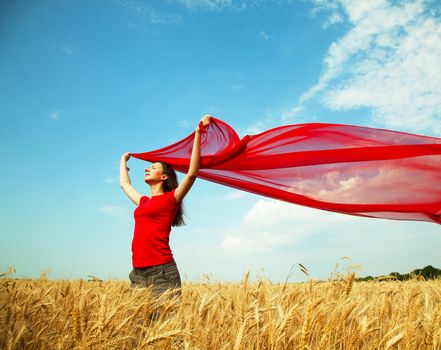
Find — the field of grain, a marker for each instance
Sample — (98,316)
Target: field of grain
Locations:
(334,314)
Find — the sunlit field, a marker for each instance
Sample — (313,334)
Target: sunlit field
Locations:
(333,314)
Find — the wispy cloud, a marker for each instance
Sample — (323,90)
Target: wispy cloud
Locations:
(54,115)
(143,15)
(271,119)
(57,48)
(237,86)
(265,36)
(233,195)
(229,5)
(388,62)
(271,224)
(68,50)
(259,126)
(333,19)
(214,110)
(215,5)
(270,212)
(184,124)
(120,213)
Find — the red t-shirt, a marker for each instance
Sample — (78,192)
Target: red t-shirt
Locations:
(153,219)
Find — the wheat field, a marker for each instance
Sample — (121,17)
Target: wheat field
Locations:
(333,314)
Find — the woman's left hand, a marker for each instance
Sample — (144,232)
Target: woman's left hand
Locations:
(205,120)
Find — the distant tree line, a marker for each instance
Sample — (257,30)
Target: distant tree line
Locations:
(427,273)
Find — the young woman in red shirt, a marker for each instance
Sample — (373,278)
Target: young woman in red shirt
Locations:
(152,259)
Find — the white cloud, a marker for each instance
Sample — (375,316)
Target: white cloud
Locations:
(120,213)
(57,48)
(265,36)
(109,180)
(183,124)
(333,7)
(267,122)
(388,61)
(268,213)
(237,87)
(211,110)
(271,224)
(257,242)
(68,50)
(143,15)
(235,5)
(333,19)
(233,195)
(272,119)
(54,115)
(215,5)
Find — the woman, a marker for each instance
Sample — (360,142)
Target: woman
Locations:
(152,259)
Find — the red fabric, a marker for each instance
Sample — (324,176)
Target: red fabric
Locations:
(153,219)
(341,168)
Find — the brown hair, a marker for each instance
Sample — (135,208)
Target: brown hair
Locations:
(170,184)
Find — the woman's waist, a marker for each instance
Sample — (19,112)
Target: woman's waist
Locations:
(154,228)
(157,267)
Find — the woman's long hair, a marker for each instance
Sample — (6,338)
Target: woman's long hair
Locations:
(170,184)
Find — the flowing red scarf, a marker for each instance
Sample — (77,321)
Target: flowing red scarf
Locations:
(341,168)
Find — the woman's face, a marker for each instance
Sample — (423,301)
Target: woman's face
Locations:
(154,173)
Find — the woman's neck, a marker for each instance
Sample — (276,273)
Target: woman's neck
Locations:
(156,189)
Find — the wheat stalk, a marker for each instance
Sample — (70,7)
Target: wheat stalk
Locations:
(166,335)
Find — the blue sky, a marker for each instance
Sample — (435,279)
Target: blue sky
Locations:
(83,82)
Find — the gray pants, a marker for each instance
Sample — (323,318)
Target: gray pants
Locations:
(160,277)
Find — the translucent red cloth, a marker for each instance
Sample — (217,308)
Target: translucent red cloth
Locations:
(341,168)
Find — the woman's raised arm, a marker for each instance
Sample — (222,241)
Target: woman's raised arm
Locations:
(124,180)
(195,161)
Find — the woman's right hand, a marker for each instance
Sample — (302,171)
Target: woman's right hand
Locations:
(205,121)
(125,157)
